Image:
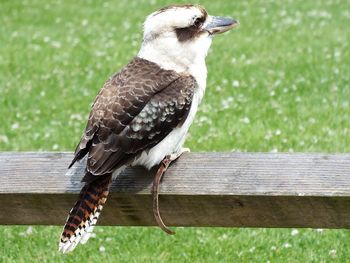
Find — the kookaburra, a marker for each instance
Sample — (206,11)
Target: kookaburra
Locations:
(143,112)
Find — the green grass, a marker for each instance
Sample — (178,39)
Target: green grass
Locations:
(278,83)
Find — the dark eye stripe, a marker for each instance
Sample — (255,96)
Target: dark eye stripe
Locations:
(188,33)
(191,32)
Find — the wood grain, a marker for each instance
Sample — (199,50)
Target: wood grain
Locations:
(200,189)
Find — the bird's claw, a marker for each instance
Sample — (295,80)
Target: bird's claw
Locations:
(177,155)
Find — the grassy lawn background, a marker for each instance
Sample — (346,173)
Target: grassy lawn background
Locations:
(280,82)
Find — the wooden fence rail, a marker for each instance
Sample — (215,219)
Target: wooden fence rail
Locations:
(200,189)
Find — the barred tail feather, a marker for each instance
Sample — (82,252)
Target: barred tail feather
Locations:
(83,216)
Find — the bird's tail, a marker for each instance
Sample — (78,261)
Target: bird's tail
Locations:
(83,216)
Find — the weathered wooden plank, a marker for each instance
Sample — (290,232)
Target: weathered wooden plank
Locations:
(200,189)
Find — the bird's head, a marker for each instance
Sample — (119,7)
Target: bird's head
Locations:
(181,33)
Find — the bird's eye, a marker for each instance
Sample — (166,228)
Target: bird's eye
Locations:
(198,22)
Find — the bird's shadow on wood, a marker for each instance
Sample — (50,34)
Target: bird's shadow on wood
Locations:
(136,179)
(133,180)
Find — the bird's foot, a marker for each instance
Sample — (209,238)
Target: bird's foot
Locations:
(155,192)
(175,156)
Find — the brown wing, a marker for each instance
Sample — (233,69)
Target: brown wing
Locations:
(164,111)
(136,109)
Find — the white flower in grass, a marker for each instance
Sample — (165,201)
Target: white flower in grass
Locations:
(245,120)
(287,245)
(85,22)
(235,83)
(55,147)
(251,250)
(102,249)
(4,139)
(29,230)
(295,232)
(56,44)
(15,126)
(333,253)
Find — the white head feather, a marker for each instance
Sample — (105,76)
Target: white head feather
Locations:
(162,45)
(165,20)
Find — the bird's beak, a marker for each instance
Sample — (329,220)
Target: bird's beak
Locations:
(218,25)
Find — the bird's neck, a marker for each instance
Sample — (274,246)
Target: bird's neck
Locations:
(178,58)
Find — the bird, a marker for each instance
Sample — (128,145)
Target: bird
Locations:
(142,114)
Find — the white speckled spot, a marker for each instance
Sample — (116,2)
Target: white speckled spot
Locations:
(136,127)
